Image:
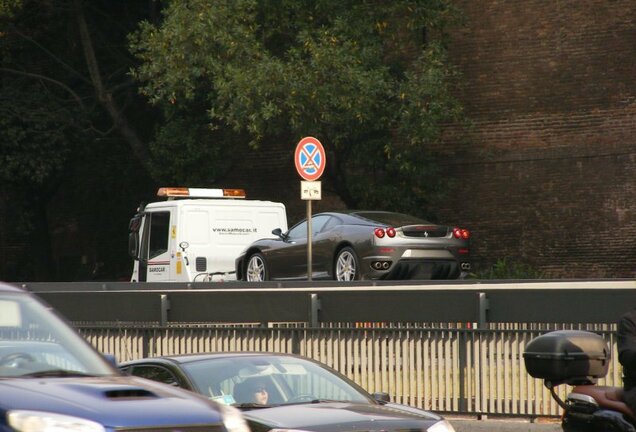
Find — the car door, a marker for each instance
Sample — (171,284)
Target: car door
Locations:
(289,259)
(321,246)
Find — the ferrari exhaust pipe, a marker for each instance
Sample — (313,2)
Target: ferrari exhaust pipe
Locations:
(381,265)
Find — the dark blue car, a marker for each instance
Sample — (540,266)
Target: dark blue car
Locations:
(51,379)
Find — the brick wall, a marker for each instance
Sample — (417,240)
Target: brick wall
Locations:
(546,173)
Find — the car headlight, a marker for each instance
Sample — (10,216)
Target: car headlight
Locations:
(441,426)
(233,419)
(39,421)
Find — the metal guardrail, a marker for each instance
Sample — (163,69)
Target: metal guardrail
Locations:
(597,301)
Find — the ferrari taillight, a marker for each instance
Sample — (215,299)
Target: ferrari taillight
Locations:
(461,233)
(380,232)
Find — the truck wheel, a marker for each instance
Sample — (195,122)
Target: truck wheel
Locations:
(256,269)
(346,266)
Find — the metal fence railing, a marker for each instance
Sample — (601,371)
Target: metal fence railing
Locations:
(458,370)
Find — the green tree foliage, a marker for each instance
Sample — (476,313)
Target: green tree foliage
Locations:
(184,153)
(358,75)
(8,8)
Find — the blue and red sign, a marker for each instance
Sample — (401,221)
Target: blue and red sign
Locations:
(310,158)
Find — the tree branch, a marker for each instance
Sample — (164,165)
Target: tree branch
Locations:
(45,78)
(53,56)
(105,97)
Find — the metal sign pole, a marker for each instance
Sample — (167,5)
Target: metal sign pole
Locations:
(310,160)
(309,270)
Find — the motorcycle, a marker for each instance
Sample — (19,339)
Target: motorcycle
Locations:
(579,358)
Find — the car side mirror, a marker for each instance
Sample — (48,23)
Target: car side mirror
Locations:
(133,245)
(382,397)
(277,232)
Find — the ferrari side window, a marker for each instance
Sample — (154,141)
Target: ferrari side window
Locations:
(331,223)
(298,232)
(318,223)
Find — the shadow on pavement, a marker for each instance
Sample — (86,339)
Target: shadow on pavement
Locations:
(503,425)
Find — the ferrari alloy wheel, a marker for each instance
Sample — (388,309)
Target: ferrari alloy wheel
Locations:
(347,265)
(256,269)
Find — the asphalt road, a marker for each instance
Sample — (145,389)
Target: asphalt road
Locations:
(503,425)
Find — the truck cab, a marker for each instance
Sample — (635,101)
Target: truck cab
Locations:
(195,234)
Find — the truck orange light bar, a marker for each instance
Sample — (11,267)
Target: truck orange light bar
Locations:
(182,192)
(234,193)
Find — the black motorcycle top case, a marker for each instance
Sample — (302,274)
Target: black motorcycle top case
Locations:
(567,356)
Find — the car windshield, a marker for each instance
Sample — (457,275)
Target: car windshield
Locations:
(250,381)
(35,342)
(391,219)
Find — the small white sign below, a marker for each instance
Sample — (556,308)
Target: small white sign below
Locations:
(310,190)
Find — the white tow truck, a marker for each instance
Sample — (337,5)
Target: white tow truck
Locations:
(196,234)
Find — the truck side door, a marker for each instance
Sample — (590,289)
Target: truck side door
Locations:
(155,246)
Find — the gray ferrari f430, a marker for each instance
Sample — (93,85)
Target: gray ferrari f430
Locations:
(352,245)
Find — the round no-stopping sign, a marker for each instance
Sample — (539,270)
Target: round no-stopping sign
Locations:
(310,158)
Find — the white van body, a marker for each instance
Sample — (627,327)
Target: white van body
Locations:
(198,240)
